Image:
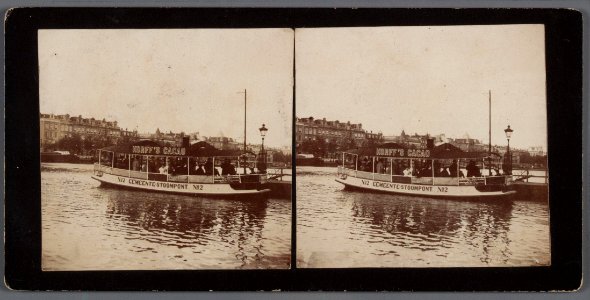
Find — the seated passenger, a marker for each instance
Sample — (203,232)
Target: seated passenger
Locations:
(407,171)
(379,167)
(227,168)
(453,169)
(209,166)
(473,170)
(200,170)
(135,164)
(163,169)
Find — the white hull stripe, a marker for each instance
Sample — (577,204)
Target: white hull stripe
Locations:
(416,189)
(175,187)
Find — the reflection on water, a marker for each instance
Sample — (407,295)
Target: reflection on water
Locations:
(337,228)
(86,227)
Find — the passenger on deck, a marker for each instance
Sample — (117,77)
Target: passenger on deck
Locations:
(407,171)
(144,167)
(366,165)
(379,167)
(437,170)
(227,168)
(209,167)
(426,170)
(444,173)
(163,169)
(453,169)
(135,164)
(473,170)
(200,170)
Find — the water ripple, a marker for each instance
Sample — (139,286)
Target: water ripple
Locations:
(86,227)
(337,228)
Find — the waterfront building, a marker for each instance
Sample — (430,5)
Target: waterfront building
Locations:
(334,132)
(416,140)
(536,151)
(223,143)
(162,137)
(55,127)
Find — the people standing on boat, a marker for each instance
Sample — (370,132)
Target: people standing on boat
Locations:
(135,164)
(163,169)
(379,167)
(200,170)
(437,170)
(473,170)
(209,166)
(407,171)
(453,168)
(445,173)
(366,165)
(227,168)
(426,170)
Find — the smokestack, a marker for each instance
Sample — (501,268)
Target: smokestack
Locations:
(430,143)
(185,141)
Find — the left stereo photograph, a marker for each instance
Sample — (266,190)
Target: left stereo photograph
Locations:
(165,149)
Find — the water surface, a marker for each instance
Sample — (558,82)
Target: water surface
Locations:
(88,227)
(339,228)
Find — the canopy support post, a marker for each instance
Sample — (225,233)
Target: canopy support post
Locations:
(129,161)
(458,170)
(432,170)
(373,168)
(390,169)
(213,168)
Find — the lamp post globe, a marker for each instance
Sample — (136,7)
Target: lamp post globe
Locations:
(508,131)
(263,131)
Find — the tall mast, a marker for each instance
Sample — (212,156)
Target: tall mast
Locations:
(490,123)
(245,120)
(490,133)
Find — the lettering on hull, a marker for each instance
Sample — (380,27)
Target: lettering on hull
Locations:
(445,191)
(188,188)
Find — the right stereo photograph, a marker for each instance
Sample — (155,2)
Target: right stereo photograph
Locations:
(421,146)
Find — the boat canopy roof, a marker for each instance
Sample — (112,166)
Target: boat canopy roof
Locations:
(443,151)
(149,147)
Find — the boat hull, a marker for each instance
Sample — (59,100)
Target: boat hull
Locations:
(175,187)
(438,191)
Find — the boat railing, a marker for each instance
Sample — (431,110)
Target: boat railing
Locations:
(179,178)
(481,180)
(472,181)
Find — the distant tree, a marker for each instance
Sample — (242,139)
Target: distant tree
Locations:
(347,143)
(316,147)
(73,144)
(332,147)
(369,142)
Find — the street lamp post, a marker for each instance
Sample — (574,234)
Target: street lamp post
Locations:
(508,169)
(263,131)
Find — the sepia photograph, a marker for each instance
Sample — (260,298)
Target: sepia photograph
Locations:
(293,149)
(165,149)
(422,146)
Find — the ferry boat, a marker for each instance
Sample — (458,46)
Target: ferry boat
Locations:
(443,171)
(198,169)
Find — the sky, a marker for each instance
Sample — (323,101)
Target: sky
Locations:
(427,79)
(189,80)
